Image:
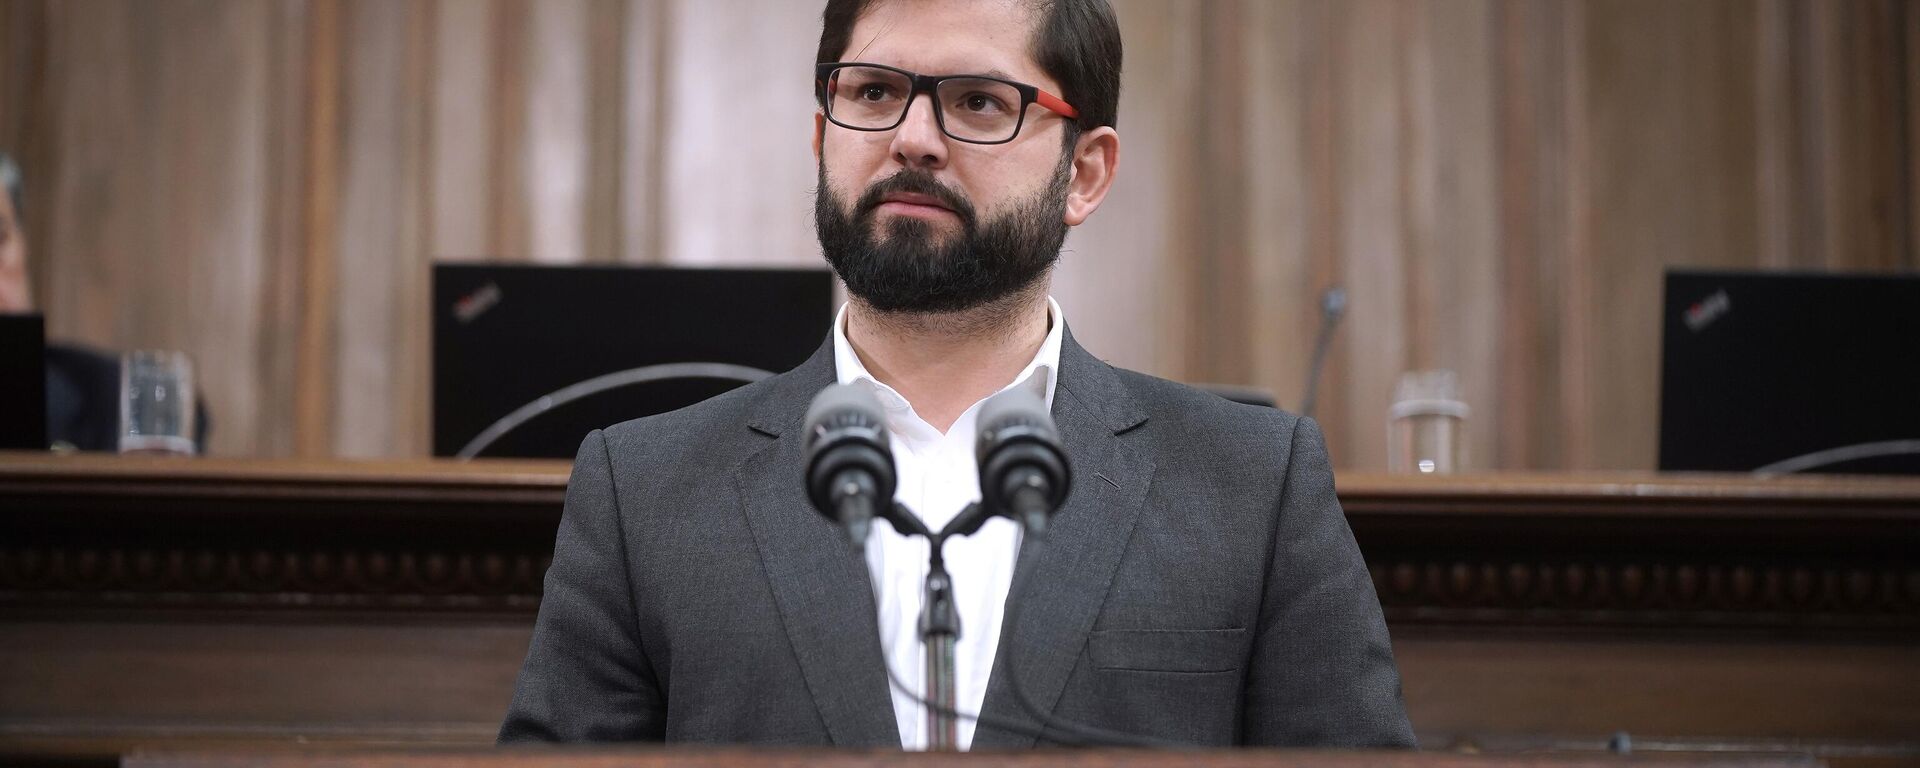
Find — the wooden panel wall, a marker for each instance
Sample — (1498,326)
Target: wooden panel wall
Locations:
(1498,185)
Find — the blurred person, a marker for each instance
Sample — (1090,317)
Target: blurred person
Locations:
(83,384)
(16,291)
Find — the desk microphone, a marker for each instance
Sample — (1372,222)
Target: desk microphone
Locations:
(1333,304)
(850,476)
(1023,469)
(1024,475)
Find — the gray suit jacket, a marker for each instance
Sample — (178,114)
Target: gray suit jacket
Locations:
(1200,584)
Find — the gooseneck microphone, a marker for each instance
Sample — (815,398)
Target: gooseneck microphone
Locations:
(1023,469)
(1333,304)
(850,476)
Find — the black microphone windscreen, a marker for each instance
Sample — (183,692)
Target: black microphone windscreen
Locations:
(1014,409)
(1018,447)
(844,406)
(846,442)
(1333,303)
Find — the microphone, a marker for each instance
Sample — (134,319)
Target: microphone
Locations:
(1023,469)
(850,476)
(1333,304)
(1024,475)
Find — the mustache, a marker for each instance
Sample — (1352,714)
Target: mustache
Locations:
(919,183)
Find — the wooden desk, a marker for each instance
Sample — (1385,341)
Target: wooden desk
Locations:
(152,601)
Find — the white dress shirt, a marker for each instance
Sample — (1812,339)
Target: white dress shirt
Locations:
(937,477)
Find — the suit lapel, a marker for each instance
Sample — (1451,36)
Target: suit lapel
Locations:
(1067,586)
(822,591)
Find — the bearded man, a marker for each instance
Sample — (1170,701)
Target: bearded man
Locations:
(1200,584)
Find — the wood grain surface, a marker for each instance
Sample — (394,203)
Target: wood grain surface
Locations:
(175,603)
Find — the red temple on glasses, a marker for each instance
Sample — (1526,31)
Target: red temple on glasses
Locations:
(1055,103)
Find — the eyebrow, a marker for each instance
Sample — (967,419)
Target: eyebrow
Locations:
(994,72)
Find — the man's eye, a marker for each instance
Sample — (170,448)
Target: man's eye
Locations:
(982,103)
(873,92)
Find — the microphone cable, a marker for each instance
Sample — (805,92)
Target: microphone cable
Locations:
(1050,728)
(893,677)
(1081,734)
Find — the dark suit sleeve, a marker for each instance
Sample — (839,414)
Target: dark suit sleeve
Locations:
(1322,671)
(586,677)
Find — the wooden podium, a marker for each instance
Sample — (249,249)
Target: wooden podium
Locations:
(692,757)
(188,604)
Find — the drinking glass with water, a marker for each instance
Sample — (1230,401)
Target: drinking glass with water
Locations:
(156,403)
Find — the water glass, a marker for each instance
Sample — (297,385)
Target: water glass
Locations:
(1426,427)
(156,403)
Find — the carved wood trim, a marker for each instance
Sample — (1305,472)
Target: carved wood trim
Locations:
(87,536)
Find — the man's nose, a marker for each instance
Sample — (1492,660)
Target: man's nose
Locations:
(918,141)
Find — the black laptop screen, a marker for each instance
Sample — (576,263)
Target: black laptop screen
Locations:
(23,382)
(506,336)
(1790,372)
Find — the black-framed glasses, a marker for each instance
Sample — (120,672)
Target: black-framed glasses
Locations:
(977,109)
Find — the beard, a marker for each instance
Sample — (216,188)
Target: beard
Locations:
(908,266)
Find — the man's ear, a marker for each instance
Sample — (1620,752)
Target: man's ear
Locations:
(1096,155)
(819,129)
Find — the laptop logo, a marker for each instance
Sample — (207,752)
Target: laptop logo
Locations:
(471,306)
(1707,310)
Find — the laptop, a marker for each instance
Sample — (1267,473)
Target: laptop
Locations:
(1782,373)
(23,382)
(527,359)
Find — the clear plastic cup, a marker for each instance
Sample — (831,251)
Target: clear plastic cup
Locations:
(156,403)
(1426,427)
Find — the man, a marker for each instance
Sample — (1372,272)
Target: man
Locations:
(1199,585)
(16,292)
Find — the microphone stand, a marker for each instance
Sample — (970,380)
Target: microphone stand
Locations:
(939,621)
(939,633)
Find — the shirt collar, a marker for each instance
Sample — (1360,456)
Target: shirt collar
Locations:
(1042,373)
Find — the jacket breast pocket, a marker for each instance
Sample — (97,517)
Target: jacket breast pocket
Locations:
(1168,650)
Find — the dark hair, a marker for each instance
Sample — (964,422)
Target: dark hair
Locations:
(10,178)
(1077,43)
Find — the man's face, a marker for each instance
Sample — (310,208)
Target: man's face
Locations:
(14,296)
(916,221)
